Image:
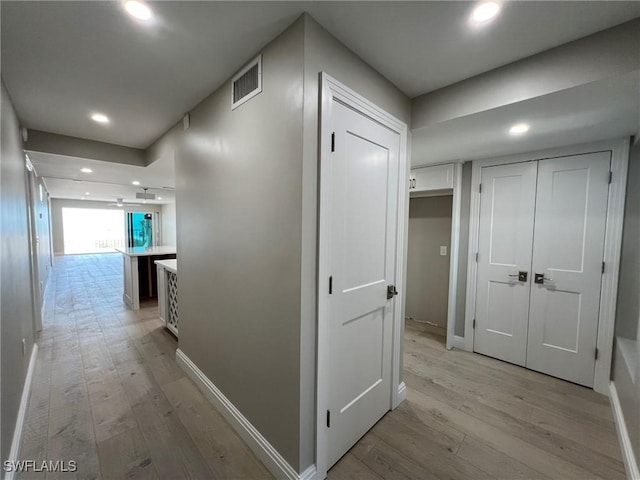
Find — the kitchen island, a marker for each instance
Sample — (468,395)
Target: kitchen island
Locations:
(140,282)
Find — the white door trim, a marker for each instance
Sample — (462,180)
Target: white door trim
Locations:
(613,243)
(454,251)
(332,90)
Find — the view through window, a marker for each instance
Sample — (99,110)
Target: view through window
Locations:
(89,230)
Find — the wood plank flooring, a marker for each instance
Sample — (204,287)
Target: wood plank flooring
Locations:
(472,417)
(108,393)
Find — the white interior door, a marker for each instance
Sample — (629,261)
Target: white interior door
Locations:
(507,207)
(363,227)
(571,211)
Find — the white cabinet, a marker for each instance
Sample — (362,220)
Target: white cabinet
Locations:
(168,293)
(436,177)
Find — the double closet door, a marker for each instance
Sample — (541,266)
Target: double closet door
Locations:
(540,263)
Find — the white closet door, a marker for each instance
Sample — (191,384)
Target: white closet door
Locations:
(505,244)
(571,208)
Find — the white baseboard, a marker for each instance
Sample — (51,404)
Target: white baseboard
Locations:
(308,474)
(402,393)
(14,453)
(272,459)
(458,342)
(630,464)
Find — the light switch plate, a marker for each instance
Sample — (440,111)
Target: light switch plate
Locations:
(443,250)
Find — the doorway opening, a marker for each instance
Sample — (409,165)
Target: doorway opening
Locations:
(428,264)
(88,230)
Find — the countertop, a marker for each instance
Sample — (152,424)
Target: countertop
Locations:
(147,252)
(171,265)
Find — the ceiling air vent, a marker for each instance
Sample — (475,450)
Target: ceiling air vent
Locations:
(247,83)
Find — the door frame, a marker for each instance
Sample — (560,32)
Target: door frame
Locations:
(454,247)
(331,90)
(454,258)
(619,149)
(37,297)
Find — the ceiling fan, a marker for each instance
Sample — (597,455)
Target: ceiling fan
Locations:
(146,195)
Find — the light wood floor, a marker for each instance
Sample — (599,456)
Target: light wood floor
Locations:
(108,393)
(472,417)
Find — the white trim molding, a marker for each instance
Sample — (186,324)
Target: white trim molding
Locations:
(613,242)
(612,254)
(458,342)
(454,252)
(628,457)
(266,452)
(14,453)
(334,91)
(402,392)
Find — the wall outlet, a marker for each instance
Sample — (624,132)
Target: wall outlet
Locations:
(443,250)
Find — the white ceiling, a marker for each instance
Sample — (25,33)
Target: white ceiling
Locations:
(108,181)
(62,60)
(596,111)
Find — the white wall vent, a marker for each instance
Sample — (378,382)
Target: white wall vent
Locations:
(247,83)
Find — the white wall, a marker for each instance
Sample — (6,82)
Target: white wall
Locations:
(428,271)
(238,212)
(16,300)
(168,220)
(595,57)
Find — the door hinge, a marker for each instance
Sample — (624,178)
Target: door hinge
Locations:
(610,177)
(328,418)
(477,256)
(330,285)
(333,142)
(602,267)
(474,323)
(480,188)
(596,353)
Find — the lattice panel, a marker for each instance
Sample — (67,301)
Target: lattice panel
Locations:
(172,302)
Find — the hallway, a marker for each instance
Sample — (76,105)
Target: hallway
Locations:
(108,394)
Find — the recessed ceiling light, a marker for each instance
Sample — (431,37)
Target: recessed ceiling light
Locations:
(138,10)
(135,182)
(86,170)
(159,198)
(486,11)
(519,129)
(87,193)
(99,117)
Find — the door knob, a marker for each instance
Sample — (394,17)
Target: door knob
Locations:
(522,276)
(391,291)
(540,278)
